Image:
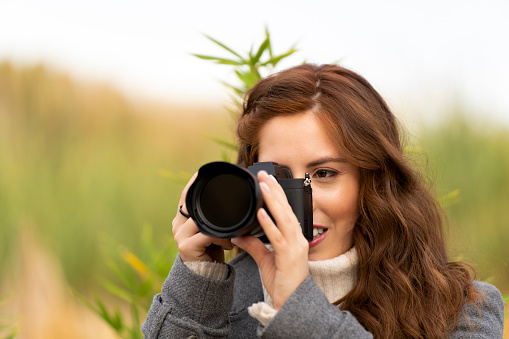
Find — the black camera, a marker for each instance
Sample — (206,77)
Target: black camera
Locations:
(224,199)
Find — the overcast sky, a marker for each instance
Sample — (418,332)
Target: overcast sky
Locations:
(417,54)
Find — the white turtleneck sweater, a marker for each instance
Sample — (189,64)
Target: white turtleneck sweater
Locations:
(335,277)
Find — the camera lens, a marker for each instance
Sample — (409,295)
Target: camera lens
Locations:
(225,200)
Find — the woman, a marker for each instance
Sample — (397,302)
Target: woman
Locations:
(377,265)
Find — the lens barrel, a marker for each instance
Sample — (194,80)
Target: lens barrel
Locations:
(223,201)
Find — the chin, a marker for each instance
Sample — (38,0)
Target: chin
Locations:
(319,256)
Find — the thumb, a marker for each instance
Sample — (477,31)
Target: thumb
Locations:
(253,246)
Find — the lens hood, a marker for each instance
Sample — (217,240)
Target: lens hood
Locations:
(223,201)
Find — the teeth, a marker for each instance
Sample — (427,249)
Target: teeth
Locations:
(317,232)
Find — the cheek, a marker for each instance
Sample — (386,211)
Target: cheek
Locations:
(340,204)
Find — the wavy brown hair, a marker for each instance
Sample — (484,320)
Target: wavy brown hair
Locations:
(407,287)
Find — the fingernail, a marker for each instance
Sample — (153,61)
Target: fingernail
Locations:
(264,187)
(263,213)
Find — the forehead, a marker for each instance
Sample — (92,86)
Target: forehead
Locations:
(294,137)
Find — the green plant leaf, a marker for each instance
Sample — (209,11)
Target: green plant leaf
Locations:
(269,46)
(145,288)
(275,60)
(223,142)
(338,61)
(265,44)
(490,279)
(219,60)
(118,291)
(450,198)
(124,275)
(180,177)
(115,319)
(251,56)
(136,264)
(225,156)
(148,248)
(224,46)
(238,91)
(413,150)
(135,333)
(162,263)
(248,78)
(255,70)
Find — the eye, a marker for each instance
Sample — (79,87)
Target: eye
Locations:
(323,173)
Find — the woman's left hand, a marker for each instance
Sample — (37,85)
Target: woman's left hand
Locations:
(284,269)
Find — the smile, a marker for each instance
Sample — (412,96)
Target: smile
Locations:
(319,233)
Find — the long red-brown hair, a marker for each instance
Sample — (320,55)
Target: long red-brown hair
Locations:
(407,287)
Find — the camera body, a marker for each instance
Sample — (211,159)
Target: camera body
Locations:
(224,199)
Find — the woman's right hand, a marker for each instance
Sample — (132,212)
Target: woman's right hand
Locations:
(193,245)
(286,267)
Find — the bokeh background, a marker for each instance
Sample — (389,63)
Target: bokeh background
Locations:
(104,112)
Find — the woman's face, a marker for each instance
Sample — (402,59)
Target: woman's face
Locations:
(300,143)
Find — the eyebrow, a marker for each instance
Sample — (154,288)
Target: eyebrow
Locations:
(325,160)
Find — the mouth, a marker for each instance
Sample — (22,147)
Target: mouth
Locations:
(319,233)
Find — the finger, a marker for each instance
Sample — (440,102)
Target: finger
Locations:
(276,237)
(182,200)
(200,246)
(274,186)
(224,243)
(277,194)
(179,218)
(184,230)
(203,241)
(253,246)
(281,211)
(182,222)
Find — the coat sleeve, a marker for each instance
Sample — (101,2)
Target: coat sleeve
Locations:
(190,305)
(308,314)
(482,320)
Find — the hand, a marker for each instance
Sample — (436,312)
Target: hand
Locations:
(284,269)
(193,245)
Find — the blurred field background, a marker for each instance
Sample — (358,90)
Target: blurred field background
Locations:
(80,167)
(83,168)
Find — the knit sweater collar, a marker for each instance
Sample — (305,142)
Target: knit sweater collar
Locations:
(335,277)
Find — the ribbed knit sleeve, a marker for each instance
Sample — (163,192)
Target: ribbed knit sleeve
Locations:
(190,304)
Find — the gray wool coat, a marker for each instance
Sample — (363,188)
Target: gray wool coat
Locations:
(192,306)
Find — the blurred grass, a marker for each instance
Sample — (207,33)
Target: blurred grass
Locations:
(81,165)
(472,158)
(78,162)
